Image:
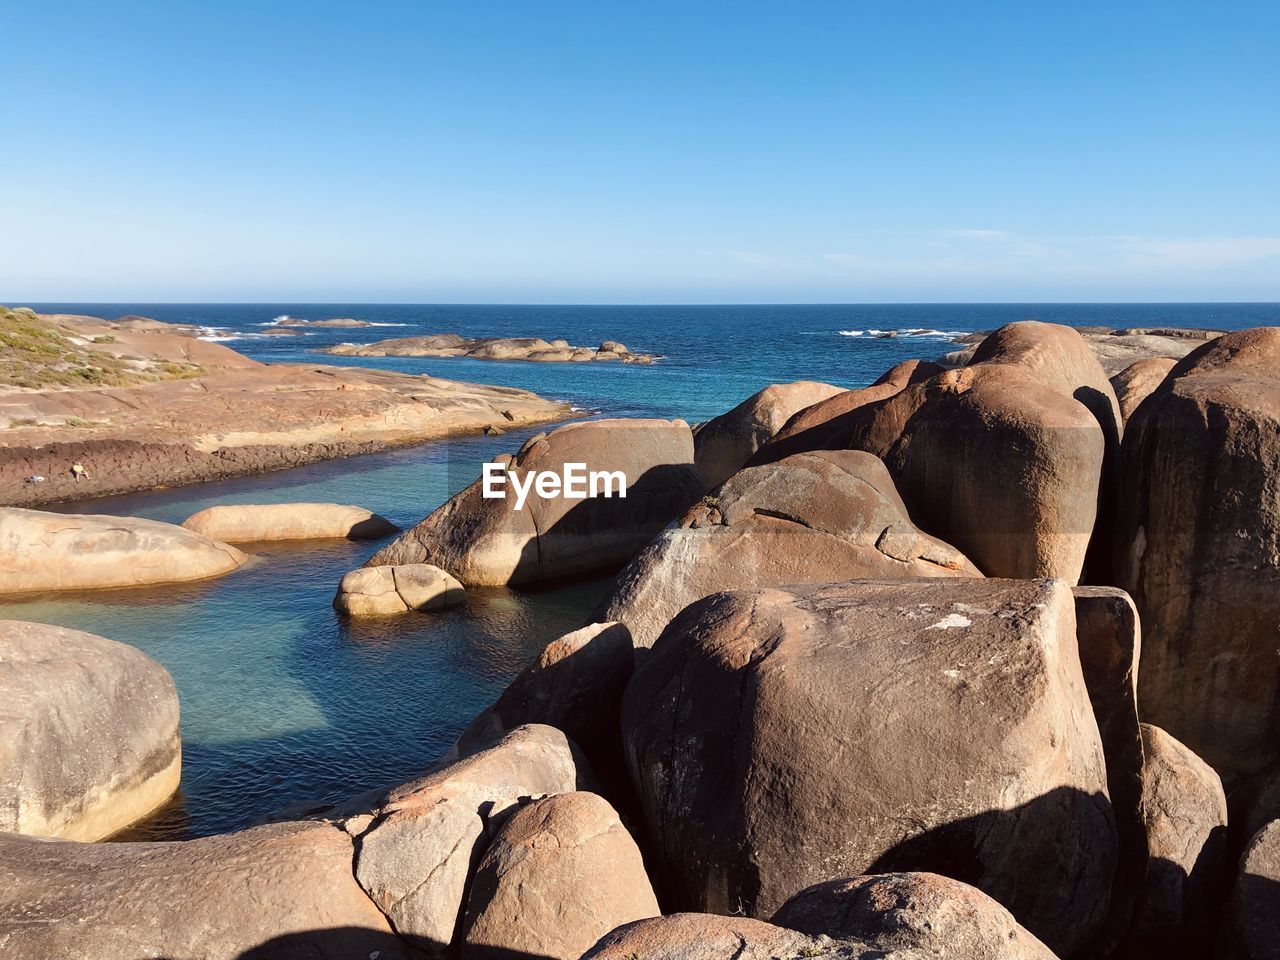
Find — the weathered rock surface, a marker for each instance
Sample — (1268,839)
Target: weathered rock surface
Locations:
(63,551)
(721,446)
(1116,349)
(1138,381)
(948,719)
(1185,811)
(704,936)
(576,685)
(283,890)
(487,541)
(1198,547)
(491,348)
(418,847)
(825,425)
(1249,930)
(386,591)
(88,733)
(817,517)
(560,874)
(912,912)
(1110,640)
(250,522)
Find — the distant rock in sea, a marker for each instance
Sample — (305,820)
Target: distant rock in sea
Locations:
(500,348)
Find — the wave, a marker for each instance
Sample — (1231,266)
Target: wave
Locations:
(919,333)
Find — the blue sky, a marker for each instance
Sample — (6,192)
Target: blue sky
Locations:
(640,152)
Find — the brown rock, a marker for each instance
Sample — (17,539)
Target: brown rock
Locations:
(283,890)
(57,551)
(825,425)
(391,590)
(923,912)
(248,522)
(1249,930)
(1186,817)
(485,541)
(576,685)
(947,719)
(560,874)
(1138,381)
(88,733)
(418,846)
(701,936)
(723,445)
(1196,547)
(814,517)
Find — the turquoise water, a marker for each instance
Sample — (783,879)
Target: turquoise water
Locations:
(283,702)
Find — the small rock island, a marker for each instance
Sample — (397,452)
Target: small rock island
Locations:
(491,348)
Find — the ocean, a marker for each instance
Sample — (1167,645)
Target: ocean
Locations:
(285,704)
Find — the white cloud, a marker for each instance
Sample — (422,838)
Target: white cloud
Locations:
(978,234)
(1202,251)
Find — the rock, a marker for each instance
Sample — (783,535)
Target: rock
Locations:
(612,346)
(1196,547)
(336,322)
(418,846)
(923,912)
(490,348)
(1249,930)
(385,591)
(1110,641)
(487,541)
(1186,818)
(560,874)
(576,685)
(824,425)
(947,719)
(62,551)
(812,518)
(283,890)
(701,936)
(248,522)
(1137,381)
(1006,469)
(721,446)
(88,733)
(1253,802)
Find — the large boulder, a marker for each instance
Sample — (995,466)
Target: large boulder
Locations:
(385,591)
(1185,811)
(419,845)
(825,425)
(575,685)
(1198,547)
(1138,381)
(1110,640)
(947,719)
(817,517)
(721,446)
(560,874)
(488,541)
(922,912)
(89,737)
(249,522)
(701,936)
(60,551)
(1249,929)
(278,891)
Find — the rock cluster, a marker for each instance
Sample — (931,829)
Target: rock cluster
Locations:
(491,348)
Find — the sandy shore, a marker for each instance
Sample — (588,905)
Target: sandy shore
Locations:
(218,415)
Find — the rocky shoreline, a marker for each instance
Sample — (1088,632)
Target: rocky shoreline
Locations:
(141,406)
(533,349)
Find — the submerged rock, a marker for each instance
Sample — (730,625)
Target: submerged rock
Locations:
(721,446)
(389,590)
(61,551)
(248,522)
(1196,547)
(496,541)
(560,874)
(814,517)
(89,737)
(948,719)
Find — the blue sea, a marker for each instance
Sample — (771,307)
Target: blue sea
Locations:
(284,704)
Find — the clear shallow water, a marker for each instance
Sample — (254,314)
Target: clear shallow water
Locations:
(285,703)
